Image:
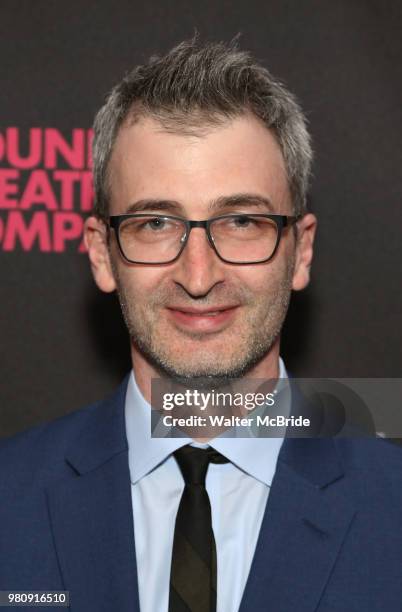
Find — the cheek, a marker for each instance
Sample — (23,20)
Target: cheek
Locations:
(140,283)
(259,280)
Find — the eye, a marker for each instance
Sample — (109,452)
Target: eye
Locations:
(243,221)
(156,224)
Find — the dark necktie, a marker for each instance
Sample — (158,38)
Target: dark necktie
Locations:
(193,571)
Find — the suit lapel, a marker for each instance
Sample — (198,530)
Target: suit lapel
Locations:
(306,520)
(91,515)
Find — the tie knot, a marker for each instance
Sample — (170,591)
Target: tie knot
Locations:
(193,462)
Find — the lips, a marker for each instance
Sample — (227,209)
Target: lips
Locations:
(201,311)
(203,314)
(202,320)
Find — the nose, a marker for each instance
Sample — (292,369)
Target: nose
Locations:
(198,268)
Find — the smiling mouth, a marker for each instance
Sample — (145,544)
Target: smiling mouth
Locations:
(202,320)
(202,313)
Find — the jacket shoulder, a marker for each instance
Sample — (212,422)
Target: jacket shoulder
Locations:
(42,447)
(38,454)
(374,465)
(370,453)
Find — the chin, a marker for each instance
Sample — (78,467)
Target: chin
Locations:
(190,365)
(213,363)
(214,366)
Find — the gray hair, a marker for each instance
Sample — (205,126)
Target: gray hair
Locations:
(198,85)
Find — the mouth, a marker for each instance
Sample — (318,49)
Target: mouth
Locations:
(204,320)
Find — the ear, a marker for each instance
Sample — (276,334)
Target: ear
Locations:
(95,238)
(306,229)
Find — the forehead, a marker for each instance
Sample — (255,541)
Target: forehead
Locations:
(238,156)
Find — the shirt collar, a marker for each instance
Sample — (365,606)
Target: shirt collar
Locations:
(255,456)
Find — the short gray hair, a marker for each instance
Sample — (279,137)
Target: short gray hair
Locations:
(196,85)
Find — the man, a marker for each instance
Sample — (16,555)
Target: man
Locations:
(201,166)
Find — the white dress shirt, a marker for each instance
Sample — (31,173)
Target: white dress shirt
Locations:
(238,492)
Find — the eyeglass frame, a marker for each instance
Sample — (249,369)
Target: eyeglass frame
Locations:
(281,222)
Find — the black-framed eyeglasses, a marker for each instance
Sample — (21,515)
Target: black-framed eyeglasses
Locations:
(236,238)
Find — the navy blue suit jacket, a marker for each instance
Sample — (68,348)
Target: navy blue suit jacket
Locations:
(330,541)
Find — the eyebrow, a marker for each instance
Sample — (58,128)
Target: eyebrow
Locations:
(218,205)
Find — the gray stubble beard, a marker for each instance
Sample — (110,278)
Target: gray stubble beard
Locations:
(257,345)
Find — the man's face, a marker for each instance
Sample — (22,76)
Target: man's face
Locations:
(200,316)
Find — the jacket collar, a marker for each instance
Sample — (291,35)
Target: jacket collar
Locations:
(103,435)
